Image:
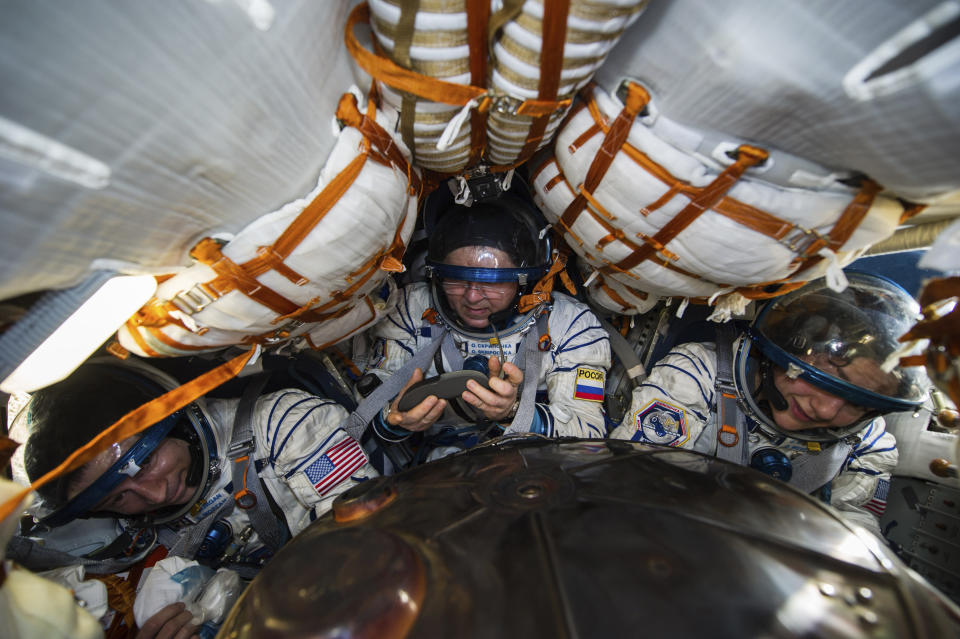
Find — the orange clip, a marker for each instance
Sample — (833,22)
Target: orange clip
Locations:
(730,430)
(244,498)
(544,343)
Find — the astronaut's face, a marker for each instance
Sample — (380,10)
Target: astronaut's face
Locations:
(809,406)
(475,302)
(161,481)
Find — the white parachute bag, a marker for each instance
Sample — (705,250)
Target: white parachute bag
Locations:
(656,219)
(316,271)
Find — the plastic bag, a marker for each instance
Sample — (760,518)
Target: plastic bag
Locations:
(208,595)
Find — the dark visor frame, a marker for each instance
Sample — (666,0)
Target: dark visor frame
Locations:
(113,476)
(522,276)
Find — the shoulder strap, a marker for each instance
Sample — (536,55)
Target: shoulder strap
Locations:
(730,420)
(249,493)
(532,361)
(357,422)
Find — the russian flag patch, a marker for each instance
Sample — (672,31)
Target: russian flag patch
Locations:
(589,385)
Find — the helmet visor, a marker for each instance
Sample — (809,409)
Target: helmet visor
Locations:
(846,343)
(124,461)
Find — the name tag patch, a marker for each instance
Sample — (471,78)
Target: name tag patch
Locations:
(487,349)
(589,385)
(660,422)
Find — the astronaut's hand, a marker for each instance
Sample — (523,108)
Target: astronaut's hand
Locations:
(497,402)
(172,622)
(420,417)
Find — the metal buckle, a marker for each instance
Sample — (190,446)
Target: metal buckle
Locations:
(506,104)
(800,239)
(282,333)
(240,448)
(192,300)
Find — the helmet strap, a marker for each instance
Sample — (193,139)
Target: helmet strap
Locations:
(775,397)
(542,291)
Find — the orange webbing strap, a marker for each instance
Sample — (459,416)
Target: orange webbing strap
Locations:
(613,141)
(232,276)
(272,256)
(554,34)
(348,112)
(348,362)
(760,292)
(133,328)
(381,68)
(910,209)
(542,290)
(134,422)
(749,216)
(478,17)
(613,233)
(848,221)
(707,197)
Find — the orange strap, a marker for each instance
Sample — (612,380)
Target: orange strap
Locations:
(478,17)
(134,422)
(348,112)
(849,220)
(747,156)
(616,136)
(386,71)
(554,34)
(542,291)
(396,76)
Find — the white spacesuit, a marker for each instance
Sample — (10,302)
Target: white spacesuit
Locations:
(486,268)
(211,504)
(799,411)
(676,406)
(302,457)
(579,352)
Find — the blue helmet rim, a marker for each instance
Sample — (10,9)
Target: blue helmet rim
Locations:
(477,274)
(112,477)
(834,385)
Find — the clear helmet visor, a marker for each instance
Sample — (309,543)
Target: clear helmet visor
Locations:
(480,260)
(93,483)
(844,343)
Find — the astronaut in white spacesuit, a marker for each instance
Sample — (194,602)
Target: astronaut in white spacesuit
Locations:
(224,481)
(479,310)
(807,407)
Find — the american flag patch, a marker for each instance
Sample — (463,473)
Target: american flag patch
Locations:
(878,503)
(339,462)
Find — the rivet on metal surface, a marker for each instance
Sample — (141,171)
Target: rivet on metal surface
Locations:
(530,491)
(869,617)
(864,594)
(828,590)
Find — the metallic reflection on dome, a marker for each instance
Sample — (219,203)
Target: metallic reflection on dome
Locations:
(538,538)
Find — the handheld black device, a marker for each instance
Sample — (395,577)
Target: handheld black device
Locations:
(447,385)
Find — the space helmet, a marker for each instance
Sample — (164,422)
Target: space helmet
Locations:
(845,343)
(63,417)
(509,224)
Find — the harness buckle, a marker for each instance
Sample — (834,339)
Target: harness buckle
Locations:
(240,448)
(282,333)
(506,104)
(192,300)
(799,240)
